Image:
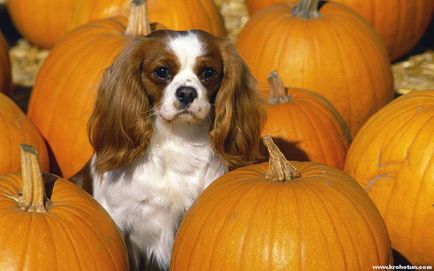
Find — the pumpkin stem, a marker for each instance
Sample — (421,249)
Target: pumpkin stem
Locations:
(279,169)
(278,91)
(306,9)
(33,198)
(138,23)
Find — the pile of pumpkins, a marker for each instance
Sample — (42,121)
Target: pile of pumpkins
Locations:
(363,182)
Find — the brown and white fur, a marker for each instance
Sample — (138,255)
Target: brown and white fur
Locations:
(174,112)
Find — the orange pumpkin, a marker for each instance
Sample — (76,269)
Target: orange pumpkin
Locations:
(304,125)
(68,231)
(400,23)
(187,14)
(392,158)
(63,96)
(5,68)
(254,6)
(17,129)
(44,22)
(282,216)
(331,51)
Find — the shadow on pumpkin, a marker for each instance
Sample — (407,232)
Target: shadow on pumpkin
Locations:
(290,149)
(399,259)
(54,166)
(49,181)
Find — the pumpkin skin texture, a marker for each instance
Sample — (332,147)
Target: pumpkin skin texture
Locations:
(17,129)
(73,232)
(253,6)
(186,15)
(55,18)
(5,67)
(45,22)
(400,31)
(392,158)
(334,53)
(322,220)
(306,127)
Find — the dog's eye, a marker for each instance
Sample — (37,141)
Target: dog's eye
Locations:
(163,73)
(207,73)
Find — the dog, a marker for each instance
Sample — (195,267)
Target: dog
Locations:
(175,110)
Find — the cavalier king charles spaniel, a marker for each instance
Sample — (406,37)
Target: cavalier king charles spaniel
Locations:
(175,111)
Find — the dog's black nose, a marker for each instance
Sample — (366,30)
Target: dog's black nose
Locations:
(186,95)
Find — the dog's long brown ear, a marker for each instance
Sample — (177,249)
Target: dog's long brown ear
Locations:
(239,111)
(120,127)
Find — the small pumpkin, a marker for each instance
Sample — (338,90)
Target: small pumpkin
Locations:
(5,67)
(392,158)
(45,22)
(60,106)
(282,216)
(17,129)
(304,125)
(329,50)
(67,231)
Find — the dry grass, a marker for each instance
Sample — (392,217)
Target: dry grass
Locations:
(415,73)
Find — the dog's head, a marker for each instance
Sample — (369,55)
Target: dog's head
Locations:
(183,78)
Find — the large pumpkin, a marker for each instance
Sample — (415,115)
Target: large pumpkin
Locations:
(282,216)
(187,15)
(304,125)
(330,50)
(44,22)
(400,23)
(5,68)
(392,157)
(63,97)
(68,231)
(16,129)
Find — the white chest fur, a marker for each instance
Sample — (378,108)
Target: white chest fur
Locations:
(147,200)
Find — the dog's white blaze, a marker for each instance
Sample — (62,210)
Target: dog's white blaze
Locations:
(187,48)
